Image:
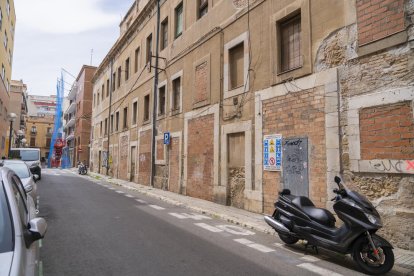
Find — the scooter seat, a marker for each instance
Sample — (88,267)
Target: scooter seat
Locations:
(320,215)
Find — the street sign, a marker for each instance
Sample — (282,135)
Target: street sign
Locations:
(166,138)
(272,152)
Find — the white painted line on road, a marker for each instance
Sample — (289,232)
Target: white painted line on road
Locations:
(193,216)
(256,246)
(40,268)
(120,192)
(141,201)
(209,227)
(287,249)
(318,270)
(130,196)
(157,207)
(110,188)
(310,259)
(236,230)
(40,244)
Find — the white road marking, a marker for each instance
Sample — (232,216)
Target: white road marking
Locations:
(189,216)
(120,192)
(318,270)
(157,207)
(141,201)
(209,227)
(130,196)
(256,246)
(236,230)
(310,259)
(287,249)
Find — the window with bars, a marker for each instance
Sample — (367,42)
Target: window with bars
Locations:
(290,44)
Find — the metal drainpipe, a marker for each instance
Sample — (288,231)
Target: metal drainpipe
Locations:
(109,129)
(154,109)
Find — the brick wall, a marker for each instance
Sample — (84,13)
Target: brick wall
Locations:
(123,152)
(144,158)
(201,85)
(160,149)
(378,19)
(298,114)
(200,157)
(174,158)
(387,132)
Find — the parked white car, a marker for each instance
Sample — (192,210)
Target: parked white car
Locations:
(19,228)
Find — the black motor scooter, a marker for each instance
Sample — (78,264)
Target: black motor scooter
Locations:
(296,217)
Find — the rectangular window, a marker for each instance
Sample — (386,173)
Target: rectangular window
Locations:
(48,142)
(106,126)
(94,100)
(107,87)
(126,69)
(161,101)
(125,119)
(202,8)
(136,59)
(116,121)
(97,99)
(6,39)
(290,43)
(179,20)
(100,130)
(236,62)
(146,107)
(119,76)
(176,96)
(8,7)
(3,71)
(112,123)
(1,18)
(134,113)
(103,90)
(149,48)
(113,81)
(33,141)
(164,33)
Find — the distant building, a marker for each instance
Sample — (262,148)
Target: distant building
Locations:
(18,105)
(40,122)
(77,115)
(7,28)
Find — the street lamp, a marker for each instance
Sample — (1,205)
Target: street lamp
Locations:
(12,117)
(20,138)
(24,142)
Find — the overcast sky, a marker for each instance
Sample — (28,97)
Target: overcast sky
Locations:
(55,34)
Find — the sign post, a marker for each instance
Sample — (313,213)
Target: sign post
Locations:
(272,152)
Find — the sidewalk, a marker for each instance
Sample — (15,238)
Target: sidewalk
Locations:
(404,259)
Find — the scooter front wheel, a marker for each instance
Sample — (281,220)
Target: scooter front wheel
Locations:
(363,255)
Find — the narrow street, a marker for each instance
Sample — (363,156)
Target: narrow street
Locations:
(96,228)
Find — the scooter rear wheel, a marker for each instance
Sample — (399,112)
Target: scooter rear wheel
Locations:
(363,256)
(288,239)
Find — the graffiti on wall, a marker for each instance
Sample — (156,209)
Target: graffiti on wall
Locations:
(392,166)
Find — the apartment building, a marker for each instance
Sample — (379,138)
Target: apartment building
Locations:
(40,122)
(263,95)
(7,29)
(18,106)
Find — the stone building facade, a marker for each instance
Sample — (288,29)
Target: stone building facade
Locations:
(232,72)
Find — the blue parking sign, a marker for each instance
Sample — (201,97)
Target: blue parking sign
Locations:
(166,138)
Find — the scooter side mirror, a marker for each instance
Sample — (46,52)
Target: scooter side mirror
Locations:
(337,180)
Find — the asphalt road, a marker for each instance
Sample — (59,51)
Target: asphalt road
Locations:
(96,228)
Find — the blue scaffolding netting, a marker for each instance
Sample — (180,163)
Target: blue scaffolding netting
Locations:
(57,129)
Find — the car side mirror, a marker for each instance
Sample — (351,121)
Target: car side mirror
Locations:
(28,188)
(36,177)
(37,230)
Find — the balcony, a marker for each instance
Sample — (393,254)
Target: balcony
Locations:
(70,123)
(70,137)
(71,108)
(73,92)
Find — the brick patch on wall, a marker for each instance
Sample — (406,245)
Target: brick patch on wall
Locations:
(387,132)
(123,162)
(298,114)
(201,82)
(144,158)
(174,158)
(200,157)
(378,19)
(160,150)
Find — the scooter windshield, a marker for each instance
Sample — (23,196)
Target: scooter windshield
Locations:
(360,199)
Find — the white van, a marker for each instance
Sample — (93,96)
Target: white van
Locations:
(29,155)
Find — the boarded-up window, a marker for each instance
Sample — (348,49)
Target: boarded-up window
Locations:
(290,42)
(236,60)
(32,141)
(176,97)
(201,82)
(236,149)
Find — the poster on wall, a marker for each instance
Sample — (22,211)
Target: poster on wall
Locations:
(272,152)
